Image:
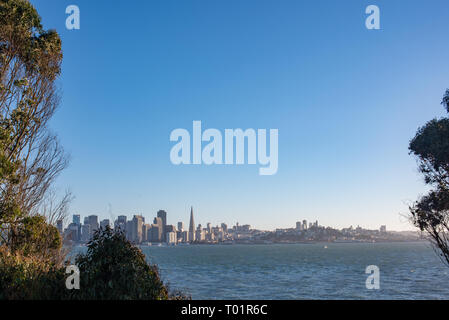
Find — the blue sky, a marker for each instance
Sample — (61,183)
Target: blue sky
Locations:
(346,101)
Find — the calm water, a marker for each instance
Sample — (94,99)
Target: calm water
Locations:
(302,271)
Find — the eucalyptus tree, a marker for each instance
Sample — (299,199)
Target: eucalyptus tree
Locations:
(30,155)
(431,212)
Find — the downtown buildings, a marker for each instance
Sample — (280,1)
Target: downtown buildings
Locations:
(138,231)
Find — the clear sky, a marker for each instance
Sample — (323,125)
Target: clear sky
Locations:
(346,101)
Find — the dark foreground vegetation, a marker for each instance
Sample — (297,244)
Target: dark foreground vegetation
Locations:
(32,259)
(430,213)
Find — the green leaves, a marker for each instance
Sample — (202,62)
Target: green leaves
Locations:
(113,268)
(431,212)
(431,144)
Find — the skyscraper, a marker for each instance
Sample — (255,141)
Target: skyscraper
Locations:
(120,223)
(157,231)
(136,231)
(191,226)
(76,219)
(104,223)
(163,215)
(93,221)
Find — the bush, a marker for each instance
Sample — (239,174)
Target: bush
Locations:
(113,268)
(29,278)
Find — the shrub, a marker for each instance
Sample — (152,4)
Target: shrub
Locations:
(113,268)
(29,278)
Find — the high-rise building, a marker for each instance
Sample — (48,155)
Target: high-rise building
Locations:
(209,227)
(93,221)
(72,233)
(163,215)
(298,226)
(120,223)
(136,228)
(76,219)
(154,234)
(86,232)
(224,226)
(104,223)
(191,226)
(129,230)
(181,226)
(145,229)
(383,229)
(200,235)
(170,228)
(185,236)
(171,237)
(304,225)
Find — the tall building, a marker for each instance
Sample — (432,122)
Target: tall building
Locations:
(120,223)
(191,226)
(200,234)
(76,219)
(145,229)
(104,223)
(209,227)
(185,236)
(163,215)
(298,226)
(304,225)
(93,221)
(154,234)
(72,233)
(129,230)
(383,229)
(85,232)
(224,226)
(181,226)
(170,228)
(136,228)
(171,238)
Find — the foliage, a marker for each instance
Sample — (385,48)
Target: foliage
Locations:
(431,213)
(29,278)
(35,237)
(30,156)
(113,268)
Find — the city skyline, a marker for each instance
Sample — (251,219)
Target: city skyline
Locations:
(75,218)
(141,231)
